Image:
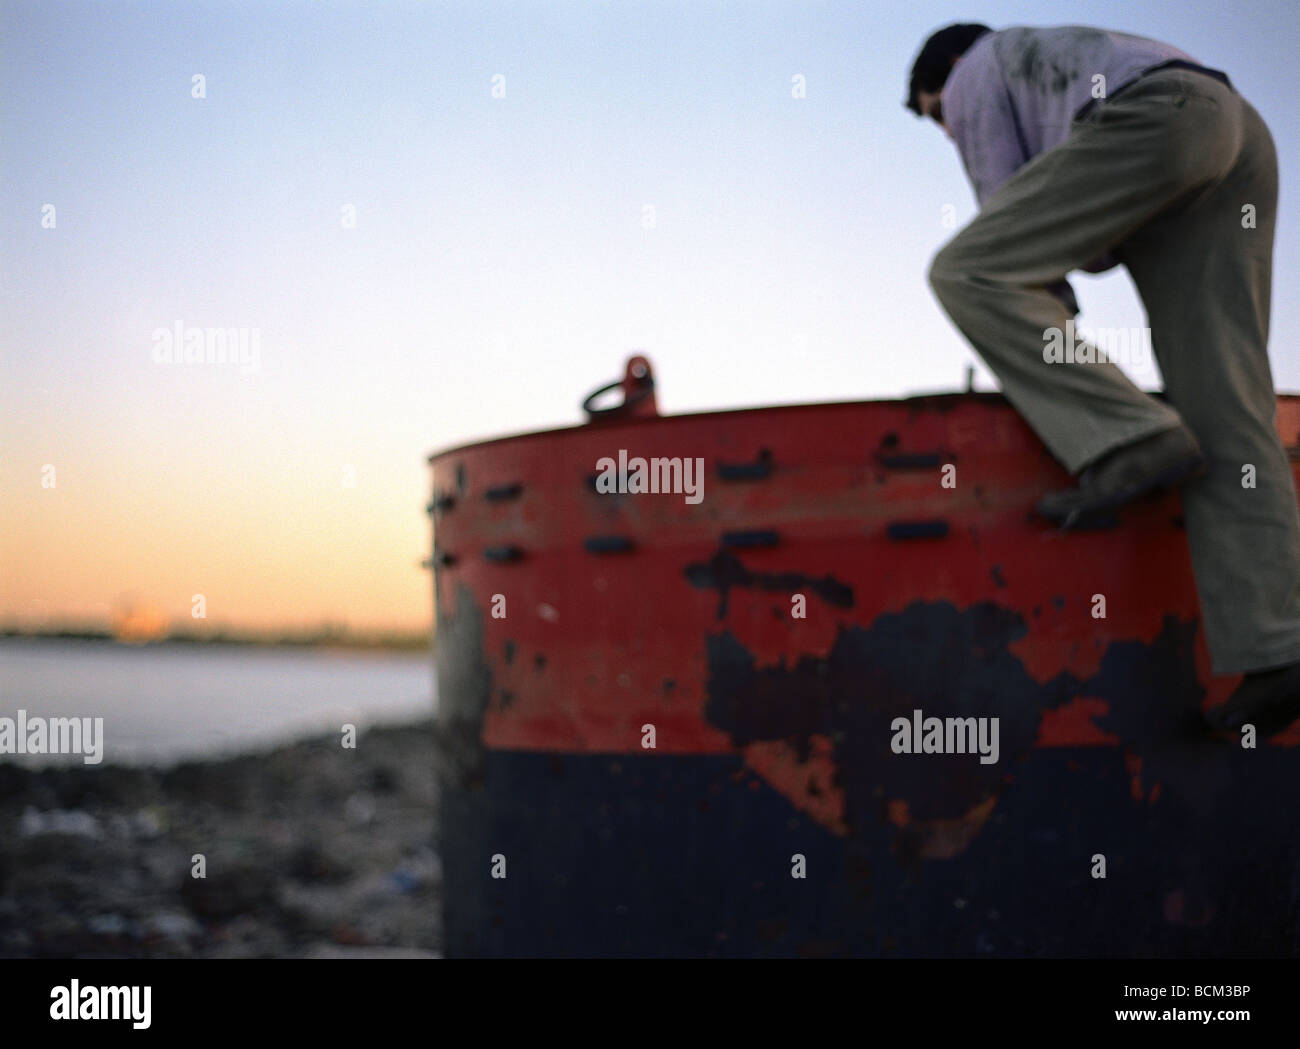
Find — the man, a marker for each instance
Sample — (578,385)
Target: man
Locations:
(1086,149)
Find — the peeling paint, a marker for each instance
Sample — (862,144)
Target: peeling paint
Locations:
(932,657)
(726,570)
(464,689)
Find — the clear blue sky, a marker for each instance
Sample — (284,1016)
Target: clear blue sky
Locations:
(499,266)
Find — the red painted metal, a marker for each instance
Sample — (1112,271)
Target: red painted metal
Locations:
(593,642)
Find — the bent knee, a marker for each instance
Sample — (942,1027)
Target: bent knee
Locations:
(947,268)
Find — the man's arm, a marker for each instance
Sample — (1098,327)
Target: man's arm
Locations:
(978,117)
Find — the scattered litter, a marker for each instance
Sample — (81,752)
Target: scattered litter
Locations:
(173,925)
(58,821)
(404,881)
(114,925)
(359,808)
(149,823)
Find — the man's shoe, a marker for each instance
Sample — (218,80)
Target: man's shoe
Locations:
(1144,467)
(1267,699)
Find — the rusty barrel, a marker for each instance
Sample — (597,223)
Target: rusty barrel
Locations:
(671,726)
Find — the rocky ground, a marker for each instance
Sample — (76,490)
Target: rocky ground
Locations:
(311,850)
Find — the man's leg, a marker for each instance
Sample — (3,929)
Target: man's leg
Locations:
(1205,276)
(1129,161)
(1166,145)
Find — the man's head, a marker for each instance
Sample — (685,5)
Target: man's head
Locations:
(934,63)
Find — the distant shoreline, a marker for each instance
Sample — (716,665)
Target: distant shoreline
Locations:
(392,642)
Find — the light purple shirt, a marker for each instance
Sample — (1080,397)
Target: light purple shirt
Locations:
(1014,92)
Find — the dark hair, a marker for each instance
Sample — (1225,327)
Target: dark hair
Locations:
(934,63)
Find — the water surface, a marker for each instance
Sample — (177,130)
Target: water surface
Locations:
(162,703)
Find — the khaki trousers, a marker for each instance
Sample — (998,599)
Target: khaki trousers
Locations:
(1159,176)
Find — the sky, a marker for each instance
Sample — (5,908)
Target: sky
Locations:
(432,223)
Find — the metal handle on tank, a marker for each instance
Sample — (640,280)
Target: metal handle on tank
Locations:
(638,386)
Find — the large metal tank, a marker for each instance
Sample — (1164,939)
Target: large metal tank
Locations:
(773,814)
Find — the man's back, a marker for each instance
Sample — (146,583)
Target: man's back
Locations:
(1014,92)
